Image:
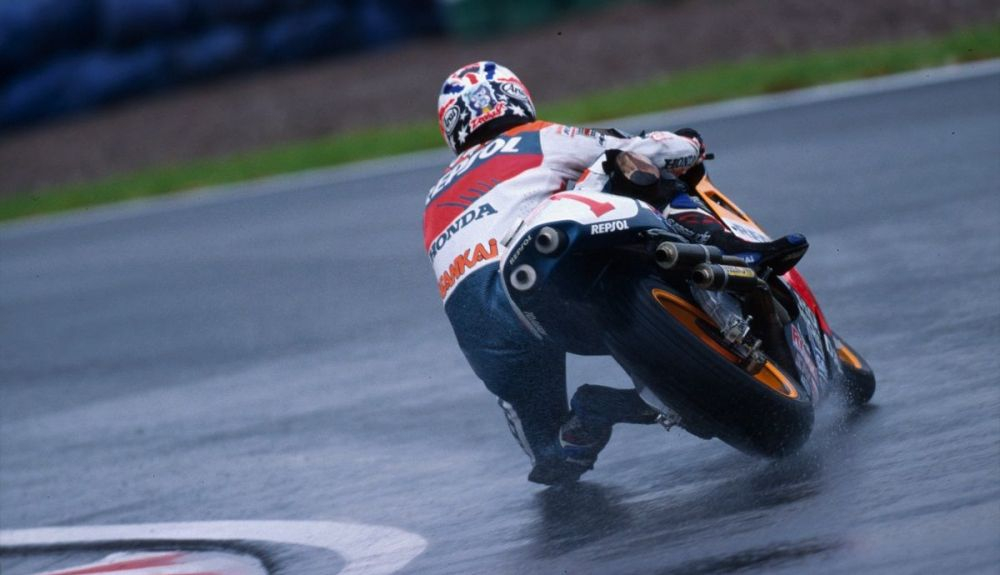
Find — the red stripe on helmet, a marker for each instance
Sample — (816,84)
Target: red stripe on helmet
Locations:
(444,108)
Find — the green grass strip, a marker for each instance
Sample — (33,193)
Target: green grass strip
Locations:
(770,75)
(714,83)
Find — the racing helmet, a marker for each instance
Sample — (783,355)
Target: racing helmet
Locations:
(480,101)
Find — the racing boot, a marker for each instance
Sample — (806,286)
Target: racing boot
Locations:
(780,255)
(583,440)
(556,471)
(540,443)
(576,449)
(594,410)
(689,218)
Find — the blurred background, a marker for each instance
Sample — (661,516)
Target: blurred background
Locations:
(95,88)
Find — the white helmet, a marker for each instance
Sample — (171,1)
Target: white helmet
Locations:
(480,101)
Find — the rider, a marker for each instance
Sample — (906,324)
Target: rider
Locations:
(508,162)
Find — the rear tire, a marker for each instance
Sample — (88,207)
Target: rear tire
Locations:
(708,390)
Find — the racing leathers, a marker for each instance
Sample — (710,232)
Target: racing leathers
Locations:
(482,193)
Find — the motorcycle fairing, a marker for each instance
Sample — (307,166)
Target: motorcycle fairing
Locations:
(810,336)
(746,228)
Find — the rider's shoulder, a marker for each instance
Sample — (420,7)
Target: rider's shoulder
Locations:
(535,126)
(586,132)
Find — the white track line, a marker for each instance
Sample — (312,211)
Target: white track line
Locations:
(367,549)
(167,563)
(325,177)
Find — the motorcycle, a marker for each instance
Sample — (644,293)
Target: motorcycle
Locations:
(602,274)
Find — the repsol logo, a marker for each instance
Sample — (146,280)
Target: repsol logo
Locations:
(473,215)
(464,262)
(605,227)
(462,164)
(520,249)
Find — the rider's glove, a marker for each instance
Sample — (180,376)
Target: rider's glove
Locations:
(633,175)
(692,134)
(695,173)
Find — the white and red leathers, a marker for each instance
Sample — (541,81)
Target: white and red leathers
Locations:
(489,186)
(477,200)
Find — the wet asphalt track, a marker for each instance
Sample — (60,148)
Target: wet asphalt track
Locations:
(285,356)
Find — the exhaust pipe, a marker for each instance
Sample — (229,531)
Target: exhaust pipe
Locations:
(549,241)
(672,254)
(523,277)
(718,277)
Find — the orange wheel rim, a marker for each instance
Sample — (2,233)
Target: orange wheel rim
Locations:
(847,356)
(689,315)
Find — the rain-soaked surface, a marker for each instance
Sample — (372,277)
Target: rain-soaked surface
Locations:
(285,357)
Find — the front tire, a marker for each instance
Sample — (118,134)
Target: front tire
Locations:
(859,379)
(667,344)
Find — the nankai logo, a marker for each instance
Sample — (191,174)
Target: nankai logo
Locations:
(465,219)
(464,262)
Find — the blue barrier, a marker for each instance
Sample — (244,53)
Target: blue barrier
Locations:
(32,30)
(296,5)
(61,56)
(215,12)
(106,76)
(36,95)
(322,29)
(125,23)
(214,52)
(378,26)
(414,17)
(76,82)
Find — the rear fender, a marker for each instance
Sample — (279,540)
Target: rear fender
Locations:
(549,283)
